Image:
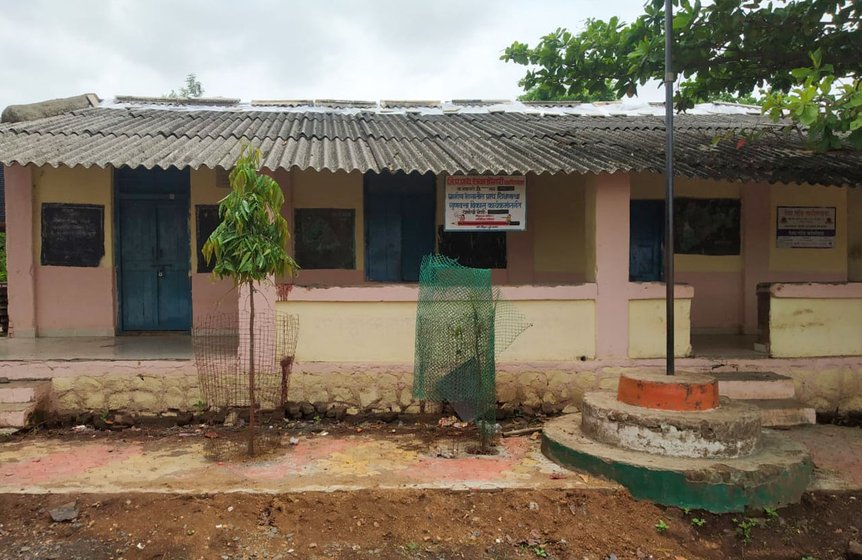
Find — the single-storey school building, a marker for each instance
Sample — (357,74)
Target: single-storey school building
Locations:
(108,204)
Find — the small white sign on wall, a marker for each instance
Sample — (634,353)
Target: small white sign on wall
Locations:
(805,227)
(477,202)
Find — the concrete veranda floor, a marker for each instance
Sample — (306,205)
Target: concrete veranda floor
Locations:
(176,461)
(161,346)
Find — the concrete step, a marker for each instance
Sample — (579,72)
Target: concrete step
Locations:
(755,385)
(783,413)
(15,415)
(24,391)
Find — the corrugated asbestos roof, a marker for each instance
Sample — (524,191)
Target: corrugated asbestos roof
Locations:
(444,138)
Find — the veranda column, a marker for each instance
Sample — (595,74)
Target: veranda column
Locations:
(756,229)
(608,198)
(20,260)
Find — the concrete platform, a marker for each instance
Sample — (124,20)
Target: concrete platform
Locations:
(20,401)
(24,391)
(755,385)
(778,473)
(732,430)
(685,391)
(783,413)
(15,415)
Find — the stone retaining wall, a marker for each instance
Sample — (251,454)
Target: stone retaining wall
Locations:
(827,386)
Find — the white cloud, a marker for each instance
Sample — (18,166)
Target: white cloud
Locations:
(371,49)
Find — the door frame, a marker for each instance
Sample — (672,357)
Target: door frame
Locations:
(117,197)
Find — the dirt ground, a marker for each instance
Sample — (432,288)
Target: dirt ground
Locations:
(591,523)
(416,524)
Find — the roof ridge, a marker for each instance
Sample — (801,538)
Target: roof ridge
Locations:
(178,101)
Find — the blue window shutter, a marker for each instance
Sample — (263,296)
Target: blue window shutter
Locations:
(399,225)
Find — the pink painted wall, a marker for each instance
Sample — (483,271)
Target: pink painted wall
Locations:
(717,305)
(611,196)
(19,251)
(212,296)
(74,301)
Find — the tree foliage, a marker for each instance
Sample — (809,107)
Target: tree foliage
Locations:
(728,47)
(250,243)
(192,88)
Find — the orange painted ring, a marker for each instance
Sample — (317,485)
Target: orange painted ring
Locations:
(683,392)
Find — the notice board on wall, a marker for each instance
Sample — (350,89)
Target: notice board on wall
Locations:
(484,202)
(324,238)
(206,220)
(707,226)
(805,227)
(72,234)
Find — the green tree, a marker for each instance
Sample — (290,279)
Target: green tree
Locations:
(250,243)
(192,88)
(728,47)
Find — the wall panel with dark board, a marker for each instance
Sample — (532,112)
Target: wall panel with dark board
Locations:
(206,220)
(324,238)
(707,226)
(72,234)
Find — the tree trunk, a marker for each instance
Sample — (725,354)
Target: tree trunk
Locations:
(251,403)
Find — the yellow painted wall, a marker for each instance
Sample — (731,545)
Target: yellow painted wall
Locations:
(854,234)
(79,186)
(816,260)
(555,212)
(651,186)
(384,332)
(815,327)
(311,189)
(647,328)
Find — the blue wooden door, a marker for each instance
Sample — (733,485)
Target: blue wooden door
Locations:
(382,234)
(154,250)
(399,225)
(646,241)
(417,226)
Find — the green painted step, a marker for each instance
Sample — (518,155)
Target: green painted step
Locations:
(778,473)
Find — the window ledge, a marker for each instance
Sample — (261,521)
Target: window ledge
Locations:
(410,293)
(657,290)
(810,290)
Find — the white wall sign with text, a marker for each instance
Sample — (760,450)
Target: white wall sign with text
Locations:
(477,202)
(805,227)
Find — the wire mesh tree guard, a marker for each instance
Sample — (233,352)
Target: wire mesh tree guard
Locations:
(223,356)
(461,325)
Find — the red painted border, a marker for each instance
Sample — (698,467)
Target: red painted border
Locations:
(675,393)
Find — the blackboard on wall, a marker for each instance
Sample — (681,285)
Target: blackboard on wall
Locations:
(325,238)
(476,249)
(206,220)
(707,226)
(72,234)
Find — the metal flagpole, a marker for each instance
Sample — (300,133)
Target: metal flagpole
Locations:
(668,209)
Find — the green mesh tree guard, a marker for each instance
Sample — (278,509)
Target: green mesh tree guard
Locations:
(461,324)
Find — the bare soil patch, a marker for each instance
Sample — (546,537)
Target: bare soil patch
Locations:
(414,524)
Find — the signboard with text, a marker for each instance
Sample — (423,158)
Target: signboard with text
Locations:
(805,227)
(477,202)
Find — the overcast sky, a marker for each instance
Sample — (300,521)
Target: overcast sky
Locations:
(279,49)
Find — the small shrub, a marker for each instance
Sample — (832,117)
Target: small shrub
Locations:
(698,521)
(744,528)
(661,526)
